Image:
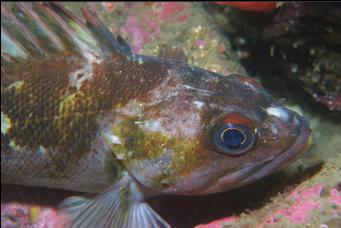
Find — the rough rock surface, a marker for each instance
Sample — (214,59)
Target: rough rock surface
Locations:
(297,43)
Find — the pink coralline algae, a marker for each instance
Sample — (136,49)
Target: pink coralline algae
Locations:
(200,43)
(27,215)
(138,34)
(304,202)
(144,28)
(169,9)
(335,196)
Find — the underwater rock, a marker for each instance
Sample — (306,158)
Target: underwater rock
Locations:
(153,27)
(313,202)
(300,41)
(314,31)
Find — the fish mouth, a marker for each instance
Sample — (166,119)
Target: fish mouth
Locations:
(301,145)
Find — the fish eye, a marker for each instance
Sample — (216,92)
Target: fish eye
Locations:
(233,139)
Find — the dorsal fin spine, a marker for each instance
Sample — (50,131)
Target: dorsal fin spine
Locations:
(43,32)
(42,29)
(11,46)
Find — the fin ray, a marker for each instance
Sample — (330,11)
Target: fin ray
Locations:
(102,33)
(10,47)
(13,26)
(48,40)
(122,205)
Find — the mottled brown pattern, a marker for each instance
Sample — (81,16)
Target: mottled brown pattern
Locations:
(47,112)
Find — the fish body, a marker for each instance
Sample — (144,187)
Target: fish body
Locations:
(81,111)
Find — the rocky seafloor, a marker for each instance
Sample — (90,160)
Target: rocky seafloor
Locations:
(305,194)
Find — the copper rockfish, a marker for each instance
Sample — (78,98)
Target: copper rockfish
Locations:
(81,111)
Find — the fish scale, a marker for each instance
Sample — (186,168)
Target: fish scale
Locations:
(81,111)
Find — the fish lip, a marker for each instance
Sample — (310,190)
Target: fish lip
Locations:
(301,145)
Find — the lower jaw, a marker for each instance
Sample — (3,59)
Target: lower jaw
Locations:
(281,160)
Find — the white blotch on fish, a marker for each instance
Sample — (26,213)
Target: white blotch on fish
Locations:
(278,112)
(198,104)
(111,138)
(5,123)
(84,73)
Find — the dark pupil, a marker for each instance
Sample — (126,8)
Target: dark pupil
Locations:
(233,137)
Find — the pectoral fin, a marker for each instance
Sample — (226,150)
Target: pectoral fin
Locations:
(122,205)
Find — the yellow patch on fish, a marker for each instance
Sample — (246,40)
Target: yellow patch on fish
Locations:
(16,85)
(131,144)
(134,143)
(68,103)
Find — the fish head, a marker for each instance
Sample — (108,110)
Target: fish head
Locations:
(202,133)
(249,134)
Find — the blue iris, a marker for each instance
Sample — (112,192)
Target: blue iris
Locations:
(233,137)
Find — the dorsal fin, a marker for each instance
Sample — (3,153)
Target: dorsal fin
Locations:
(102,34)
(43,29)
(17,32)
